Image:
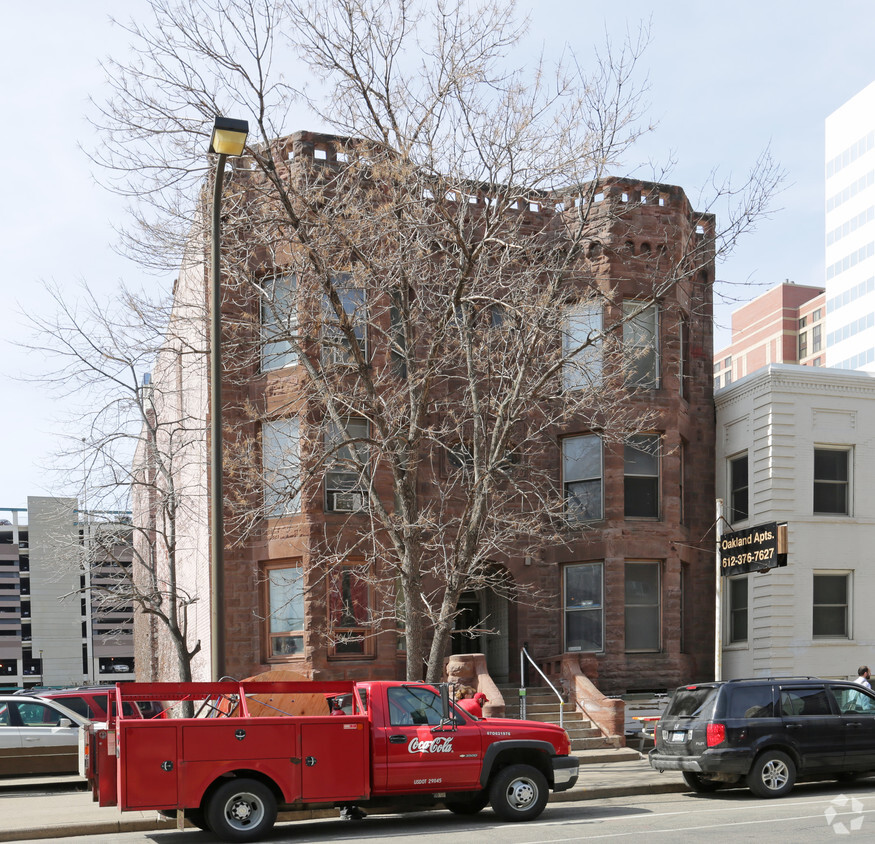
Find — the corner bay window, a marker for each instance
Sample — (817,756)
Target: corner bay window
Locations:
(641,476)
(279,322)
(346,478)
(582,367)
(285,611)
(584,607)
(641,344)
(582,476)
(642,590)
(348,610)
(281,466)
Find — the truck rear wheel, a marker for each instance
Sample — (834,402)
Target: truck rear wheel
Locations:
(241,810)
(518,793)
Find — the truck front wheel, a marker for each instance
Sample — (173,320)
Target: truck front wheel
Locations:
(518,793)
(241,810)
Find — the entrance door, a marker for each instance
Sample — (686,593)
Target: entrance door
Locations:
(467,621)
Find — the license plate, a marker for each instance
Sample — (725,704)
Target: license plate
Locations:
(678,735)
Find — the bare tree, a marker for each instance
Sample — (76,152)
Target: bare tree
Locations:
(432,266)
(132,442)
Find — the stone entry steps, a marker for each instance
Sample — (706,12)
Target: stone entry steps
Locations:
(587,741)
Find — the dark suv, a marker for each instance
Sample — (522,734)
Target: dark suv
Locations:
(766,732)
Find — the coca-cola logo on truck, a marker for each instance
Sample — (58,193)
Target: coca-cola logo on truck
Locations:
(442,744)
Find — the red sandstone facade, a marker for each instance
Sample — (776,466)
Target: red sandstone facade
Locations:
(646,228)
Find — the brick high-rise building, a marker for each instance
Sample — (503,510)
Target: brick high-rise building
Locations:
(628,586)
(783,325)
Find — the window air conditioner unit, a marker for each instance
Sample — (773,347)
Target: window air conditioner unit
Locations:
(346,502)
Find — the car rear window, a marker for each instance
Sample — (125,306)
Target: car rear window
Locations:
(695,702)
(751,702)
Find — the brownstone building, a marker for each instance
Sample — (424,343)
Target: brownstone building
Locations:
(626,582)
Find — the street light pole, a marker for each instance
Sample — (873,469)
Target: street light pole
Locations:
(228,138)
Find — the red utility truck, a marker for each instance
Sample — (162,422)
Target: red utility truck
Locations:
(391,745)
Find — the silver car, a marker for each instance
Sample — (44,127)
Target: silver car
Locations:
(38,736)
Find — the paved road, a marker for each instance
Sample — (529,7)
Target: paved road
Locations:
(813,813)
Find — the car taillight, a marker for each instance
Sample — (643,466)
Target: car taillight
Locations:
(715,734)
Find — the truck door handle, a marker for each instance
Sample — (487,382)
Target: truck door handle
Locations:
(397,739)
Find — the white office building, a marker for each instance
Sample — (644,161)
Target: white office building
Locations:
(794,445)
(850,233)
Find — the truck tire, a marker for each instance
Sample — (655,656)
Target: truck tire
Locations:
(468,804)
(518,793)
(241,810)
(773,774)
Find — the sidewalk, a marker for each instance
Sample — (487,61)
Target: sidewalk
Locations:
(33,807)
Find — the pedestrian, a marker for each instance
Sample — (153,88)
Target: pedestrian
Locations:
(863,676)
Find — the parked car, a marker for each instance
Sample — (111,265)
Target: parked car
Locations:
(38,736)
(766,733)
(95,702)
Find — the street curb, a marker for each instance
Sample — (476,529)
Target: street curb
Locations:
(146,825)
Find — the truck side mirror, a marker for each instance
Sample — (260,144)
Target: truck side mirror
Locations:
(445,701)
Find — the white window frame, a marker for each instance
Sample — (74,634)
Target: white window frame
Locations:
(849,482)
(849,591)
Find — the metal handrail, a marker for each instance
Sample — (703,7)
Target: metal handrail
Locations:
(524,654)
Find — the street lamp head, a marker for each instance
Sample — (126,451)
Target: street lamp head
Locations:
(229,136)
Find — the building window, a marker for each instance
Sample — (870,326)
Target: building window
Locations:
(816,339)
(817,315)
(683,485)
(346,478)
(738,489)
(803,345)
(285,611)
(582,367)
(641,476)
(279,322)
(716,382)
(640,344)
(831,480)
(738,606)
(348,611)
(684,369)
(582,477)
(803,321)
(830,606)
(727,363)
(727,378)
(584,608)
(642,606)
(336,348)
(281,466)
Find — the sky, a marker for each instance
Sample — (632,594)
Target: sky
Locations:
(725,82)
